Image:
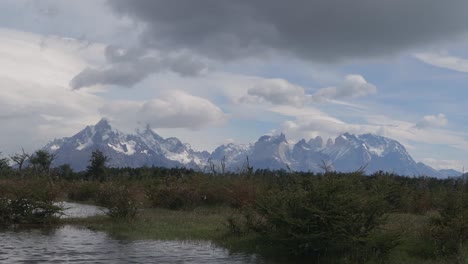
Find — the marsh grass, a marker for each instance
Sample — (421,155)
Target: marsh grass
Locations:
(381,218)
(203,223)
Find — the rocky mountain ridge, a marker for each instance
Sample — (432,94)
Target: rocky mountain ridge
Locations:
(345,153)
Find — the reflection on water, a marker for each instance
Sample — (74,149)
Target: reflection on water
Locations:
(70,244)
(80,210)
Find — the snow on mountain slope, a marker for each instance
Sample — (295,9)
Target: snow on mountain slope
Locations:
(345,153)
(145,148)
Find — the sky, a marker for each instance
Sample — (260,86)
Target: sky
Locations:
(212,72)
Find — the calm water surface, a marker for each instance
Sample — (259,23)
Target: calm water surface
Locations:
(71,244)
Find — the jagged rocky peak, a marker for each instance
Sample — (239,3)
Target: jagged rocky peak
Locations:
(300,148)
(103,125)
(302,144)
(143,148)
(174,145)
(144,131)
(316,143)
(147,131)
(342,139)
(146,148)
(275,139)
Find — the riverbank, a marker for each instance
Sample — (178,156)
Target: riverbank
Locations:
(332,217)
(199,224)
(205,223)
(210,224)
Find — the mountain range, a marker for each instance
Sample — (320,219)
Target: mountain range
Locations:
(346,153)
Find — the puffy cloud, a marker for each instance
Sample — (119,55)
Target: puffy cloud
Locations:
(174,109)
(129,67)
(282,92)
(37,104)
(308,126)
(352,87)
(428,121)
(276,91)
(326,30)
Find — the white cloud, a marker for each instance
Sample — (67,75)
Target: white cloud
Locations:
(282,92)
(324,125)
(276,91)
(428,121)
(36,104)
(174,109)
(444,61)
(353,86)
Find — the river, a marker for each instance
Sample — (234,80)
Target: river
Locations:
(72,244)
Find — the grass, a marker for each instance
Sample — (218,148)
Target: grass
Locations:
(206,223)
(209,224)
(411,246)
(203,223)
(406,236)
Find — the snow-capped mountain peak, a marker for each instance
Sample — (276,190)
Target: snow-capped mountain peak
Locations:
(144,148)
(347,152)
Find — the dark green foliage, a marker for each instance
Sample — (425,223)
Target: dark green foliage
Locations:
(5,168)
(41,161)
(97,168)
(449,229)
(28,203)
(326,215)
(65,171)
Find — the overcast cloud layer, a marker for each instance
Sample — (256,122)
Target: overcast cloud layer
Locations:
(324,30)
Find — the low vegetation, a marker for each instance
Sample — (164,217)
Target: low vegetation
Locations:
(330,217)
(28,203)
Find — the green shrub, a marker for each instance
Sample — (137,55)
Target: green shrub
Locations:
(31,202)
(449,230)
(119,200)
(329,215)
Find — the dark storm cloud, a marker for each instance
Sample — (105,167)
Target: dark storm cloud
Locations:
(128,67)
(325,30)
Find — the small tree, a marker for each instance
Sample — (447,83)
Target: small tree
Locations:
(20,159)
(4,165)
(97,168)
(42,160)
(65,171)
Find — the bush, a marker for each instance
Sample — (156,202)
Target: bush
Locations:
(241,193)
(29,203)
(173,197)
(119,200)
(84,191)
(449,230)
(325,216)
